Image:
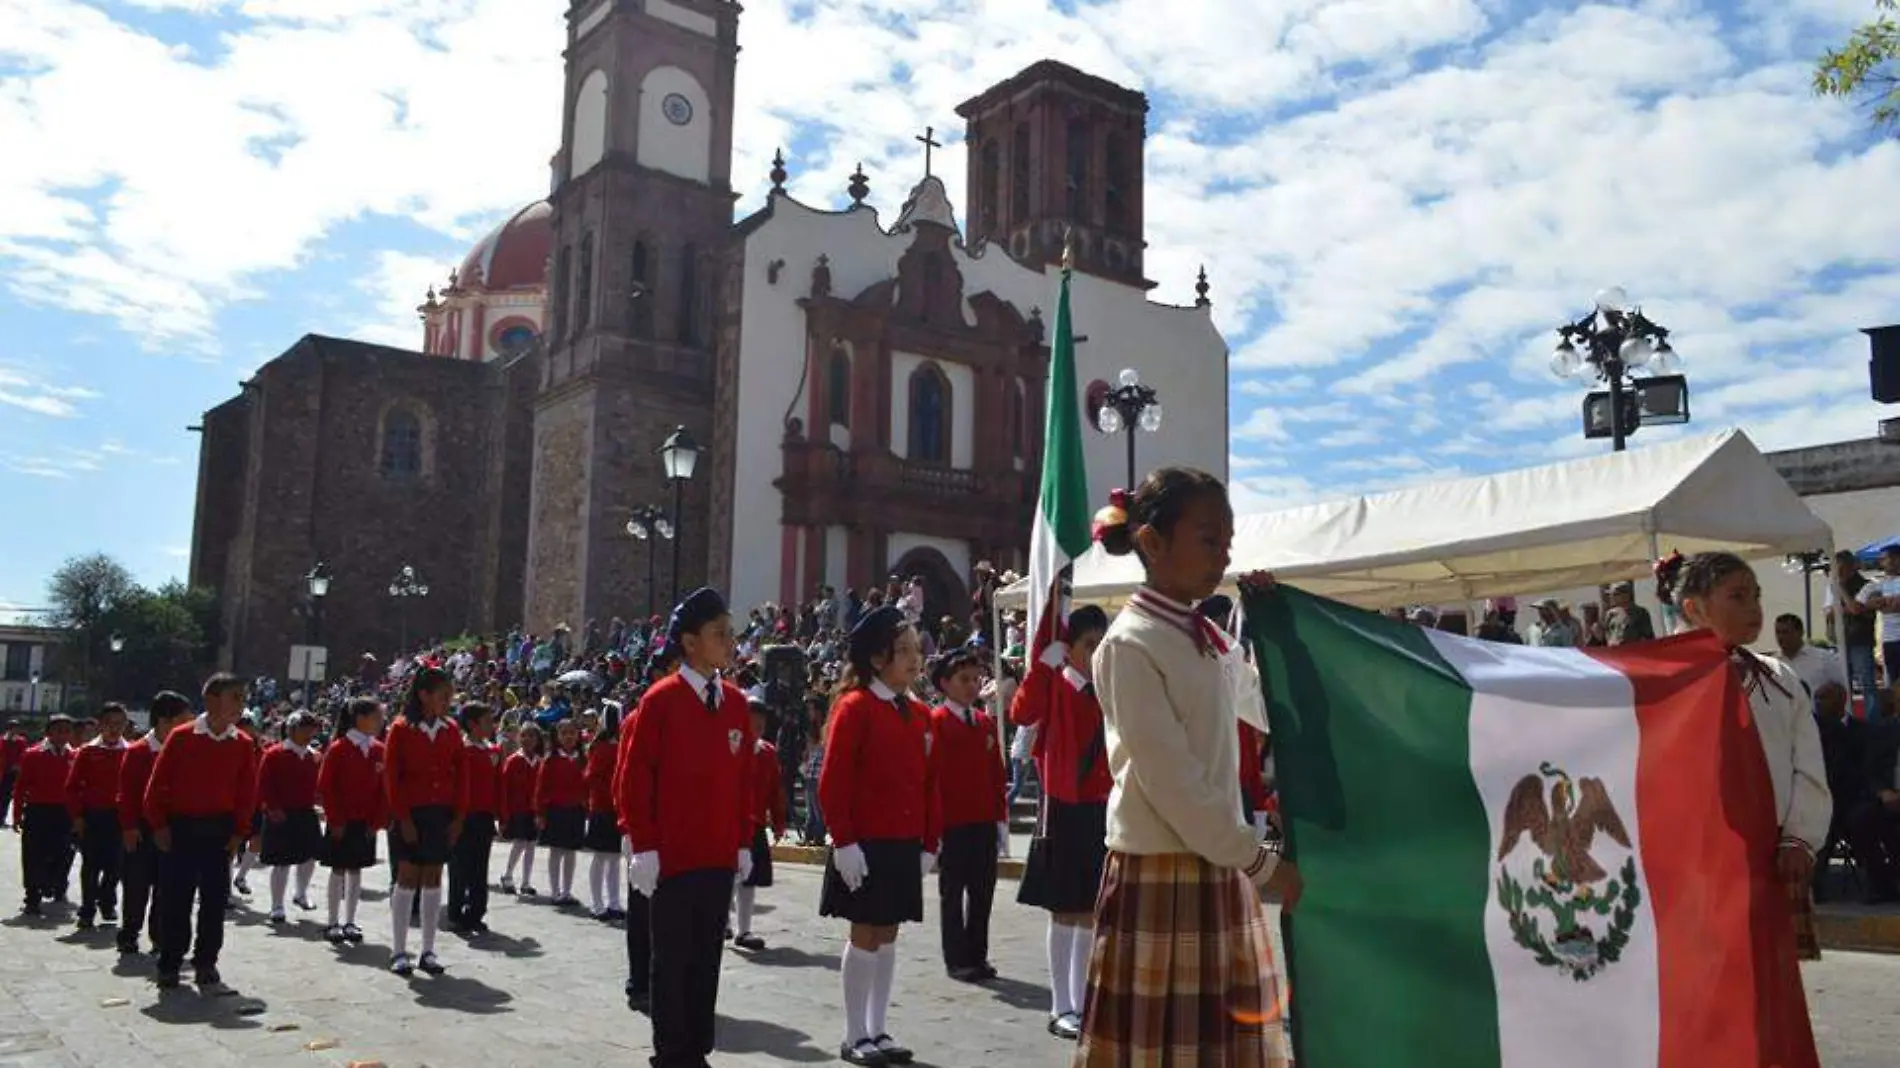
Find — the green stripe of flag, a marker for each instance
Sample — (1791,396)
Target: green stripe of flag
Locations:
(1063,497)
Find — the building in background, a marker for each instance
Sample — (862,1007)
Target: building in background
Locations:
(30,669)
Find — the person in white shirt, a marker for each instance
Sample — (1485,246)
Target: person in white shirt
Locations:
(1815,665)
(1883,596)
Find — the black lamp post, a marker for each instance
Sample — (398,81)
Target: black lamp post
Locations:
(680,455)
(1129,407)
(649,524)
(317,585)
(1806,564)
(406,585)
(1613,341)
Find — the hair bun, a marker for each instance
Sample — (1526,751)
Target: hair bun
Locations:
(1111,525)
(1668,570)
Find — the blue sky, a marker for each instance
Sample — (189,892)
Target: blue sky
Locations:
(1396,200)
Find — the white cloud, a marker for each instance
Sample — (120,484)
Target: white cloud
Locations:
(19,389)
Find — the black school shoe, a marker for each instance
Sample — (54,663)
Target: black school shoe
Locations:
(864,1052)
(638,1000)
(168,979)
(1066,1026)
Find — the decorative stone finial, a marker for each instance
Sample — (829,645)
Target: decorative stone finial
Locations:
(1200,290)
(821,276)
(455,279)
(778,173)
(860,186)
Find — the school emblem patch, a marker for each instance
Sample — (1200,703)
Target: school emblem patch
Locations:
(733,738)
(1591,907)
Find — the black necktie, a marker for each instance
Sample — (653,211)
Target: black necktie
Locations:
(712,695)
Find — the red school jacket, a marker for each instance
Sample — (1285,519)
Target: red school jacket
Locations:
(971,782)
(599,776)
(518,774)
(135,773)
(287,779)
(350,784)
(201,774)
(686,783)
(1071,742)
(92,783)
(561,782)
(42,780)
(421,768)
(878,780)
(481,779)
(768,789)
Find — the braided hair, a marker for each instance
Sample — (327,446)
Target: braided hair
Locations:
(1678,579)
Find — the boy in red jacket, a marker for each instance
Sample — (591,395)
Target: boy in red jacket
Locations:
(92,799)
(139,864)
(199,804)
(40,816)
(287,792)
(12,748)
(684,798)
(480,806)
(971,785)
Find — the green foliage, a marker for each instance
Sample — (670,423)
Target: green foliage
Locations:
(170,634)
(1618,901)
(1867,67)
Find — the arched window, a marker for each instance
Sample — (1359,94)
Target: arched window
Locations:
(402,445)
(557,327)
(1018,417)
(640,290)
(992,177)
(929,416)
(1019,174)
(584,292)
(838,387)
(1120,183)
(689,295)
(1078,170)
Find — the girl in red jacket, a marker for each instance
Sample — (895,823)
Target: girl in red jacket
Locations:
(422,772)
(518,775)
(350,789)
(287,792)
(560,807)
(768,817)
(603,822)
(879,794)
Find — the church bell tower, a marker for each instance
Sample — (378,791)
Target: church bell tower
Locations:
(642,203)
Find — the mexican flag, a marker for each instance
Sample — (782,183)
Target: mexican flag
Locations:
(1061,531)
(1529,858)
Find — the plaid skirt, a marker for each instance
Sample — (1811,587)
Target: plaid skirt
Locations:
(1182,972)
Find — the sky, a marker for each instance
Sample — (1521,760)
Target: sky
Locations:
(1396,202)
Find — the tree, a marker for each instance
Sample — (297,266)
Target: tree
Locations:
(169,636)
(1868,67)
(82,593)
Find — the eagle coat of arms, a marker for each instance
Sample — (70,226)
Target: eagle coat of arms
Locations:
(1590,910)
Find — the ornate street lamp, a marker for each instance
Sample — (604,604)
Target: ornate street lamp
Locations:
(117,642)
(405,586)
(1613,341)
(680,457)
(317,585)
(1129,407)
(649,524)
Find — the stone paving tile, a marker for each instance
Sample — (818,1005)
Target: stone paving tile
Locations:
(545,990)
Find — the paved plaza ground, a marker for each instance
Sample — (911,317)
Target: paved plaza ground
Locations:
(544,990)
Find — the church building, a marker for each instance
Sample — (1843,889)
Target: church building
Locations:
(867,395)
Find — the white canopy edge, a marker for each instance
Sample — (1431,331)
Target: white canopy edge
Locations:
(1534,530)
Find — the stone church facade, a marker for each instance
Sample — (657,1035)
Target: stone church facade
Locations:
(869,399)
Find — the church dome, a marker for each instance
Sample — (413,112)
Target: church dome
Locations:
(515,254)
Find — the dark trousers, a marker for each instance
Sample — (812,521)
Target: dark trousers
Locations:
(468,870)
(689,945)
(966,887)
(99,849)
(46,851)
(640,944)
(138,872)
(6,794)
(1874,833)
(196,869)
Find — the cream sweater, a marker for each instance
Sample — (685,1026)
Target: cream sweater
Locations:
(1173,746)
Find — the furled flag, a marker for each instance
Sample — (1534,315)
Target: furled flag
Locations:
(1061,531)
(1518,857)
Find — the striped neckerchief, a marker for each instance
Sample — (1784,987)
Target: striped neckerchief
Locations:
(1208,638)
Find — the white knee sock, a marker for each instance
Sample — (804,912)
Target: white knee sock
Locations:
(746,896)
(401,899)
(1061,951)
(596,880)
(304,873)
(335,895)
(515,852)
(527,865)
(352,895)
(570,861)
(431,913)
(612,864)
(279,882)
(1083,946)
(246,861)
(881,990)
(859,971)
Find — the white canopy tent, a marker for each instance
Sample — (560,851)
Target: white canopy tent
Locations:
(1560,526)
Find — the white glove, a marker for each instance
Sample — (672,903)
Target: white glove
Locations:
(1260,825)
(745,864)
(643,874)
(929,863)
(1002,839)
(851,865)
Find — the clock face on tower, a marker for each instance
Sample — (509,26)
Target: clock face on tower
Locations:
(678,109)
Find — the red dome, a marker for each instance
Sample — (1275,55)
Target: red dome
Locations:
(515,254)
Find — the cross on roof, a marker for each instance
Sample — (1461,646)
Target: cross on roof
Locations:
(929,141)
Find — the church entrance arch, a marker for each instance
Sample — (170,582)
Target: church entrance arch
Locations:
(945,593)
